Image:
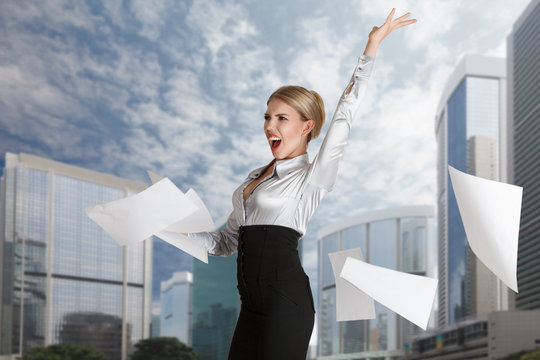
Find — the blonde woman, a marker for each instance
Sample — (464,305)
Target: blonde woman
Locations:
(272,208)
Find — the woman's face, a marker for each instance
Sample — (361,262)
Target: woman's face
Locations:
(285,130)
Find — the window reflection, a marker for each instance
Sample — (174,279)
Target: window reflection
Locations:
(329,326)
(329,244)
(83,307)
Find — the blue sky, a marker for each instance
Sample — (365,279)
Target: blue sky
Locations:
(179,87)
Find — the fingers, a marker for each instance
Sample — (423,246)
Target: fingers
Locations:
(403,23)
(403,16)
(389,17)
(396,23)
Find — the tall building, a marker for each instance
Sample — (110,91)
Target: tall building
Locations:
(175,318)
(155,326)
(63,278)
(216,306)
(401,239)
(471,132)
(523,54)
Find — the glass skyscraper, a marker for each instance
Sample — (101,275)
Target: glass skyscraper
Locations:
(63,279)
(175,318)
(523,53)
(216,306)
(469,127)
(396,238)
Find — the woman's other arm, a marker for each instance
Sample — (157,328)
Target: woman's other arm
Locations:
(222,242)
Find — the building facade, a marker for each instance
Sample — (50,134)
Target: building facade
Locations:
(216,306)
(470,128)
(397,238)
(175,318)
(523,54)
(63,278)
(487,336)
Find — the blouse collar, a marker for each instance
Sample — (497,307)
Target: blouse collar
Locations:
(283,167)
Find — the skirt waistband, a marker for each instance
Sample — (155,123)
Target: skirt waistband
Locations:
(267,252)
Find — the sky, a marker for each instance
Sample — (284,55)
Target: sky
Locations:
(180,87)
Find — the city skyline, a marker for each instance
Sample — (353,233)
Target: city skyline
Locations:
(180,89)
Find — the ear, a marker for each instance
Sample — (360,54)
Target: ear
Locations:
(308,126)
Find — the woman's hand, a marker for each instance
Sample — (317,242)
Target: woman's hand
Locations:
(377,34)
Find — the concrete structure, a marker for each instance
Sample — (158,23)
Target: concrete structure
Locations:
(488,336)
(523,54)
(471,135)
(175,320)
(400,238)
(60,271)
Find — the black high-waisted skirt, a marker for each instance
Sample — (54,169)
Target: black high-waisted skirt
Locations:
(277,313)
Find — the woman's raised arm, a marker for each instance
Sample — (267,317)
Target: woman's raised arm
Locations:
(325,165)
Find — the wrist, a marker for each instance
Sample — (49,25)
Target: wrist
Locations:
(371,48)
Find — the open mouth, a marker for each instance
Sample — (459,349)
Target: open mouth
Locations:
(274,142)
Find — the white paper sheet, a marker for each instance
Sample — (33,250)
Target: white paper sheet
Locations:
(154,177)
(137,217)
(409,295)
(184,243)
(161,210)
(351,302)
(490,212)
(198,221)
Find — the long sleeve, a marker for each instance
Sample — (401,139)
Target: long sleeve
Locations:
(325,165)
(222,242)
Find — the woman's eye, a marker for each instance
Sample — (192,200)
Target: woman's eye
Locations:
(266,117)
(282,118)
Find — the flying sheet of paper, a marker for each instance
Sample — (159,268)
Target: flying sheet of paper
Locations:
(351,302)
(198,221)
(490,212)
(184,243)
(137,217)
(409,295)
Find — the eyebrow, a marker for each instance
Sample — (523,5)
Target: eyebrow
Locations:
(283,114)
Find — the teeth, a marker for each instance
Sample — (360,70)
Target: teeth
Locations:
(274,138)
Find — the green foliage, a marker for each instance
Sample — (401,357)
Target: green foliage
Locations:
(533,355)
(514,356)
(65,352)
(162,348)
(523,355)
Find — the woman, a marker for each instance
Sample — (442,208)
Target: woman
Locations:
(272,208)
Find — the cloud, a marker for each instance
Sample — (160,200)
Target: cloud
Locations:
(220,24)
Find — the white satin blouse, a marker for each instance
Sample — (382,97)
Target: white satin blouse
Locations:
(290,195)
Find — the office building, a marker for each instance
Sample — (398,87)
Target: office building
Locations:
(523,64)
(63,278)
(155,326)
(175,320)
(470,128)
(400,239)
(487,336)
(216,306)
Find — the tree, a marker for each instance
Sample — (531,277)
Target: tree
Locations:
(514,356)
(163,348)
(533,355)
(65,352)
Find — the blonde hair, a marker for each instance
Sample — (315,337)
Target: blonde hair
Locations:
(308,103)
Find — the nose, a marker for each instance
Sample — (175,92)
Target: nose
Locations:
(269,126)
